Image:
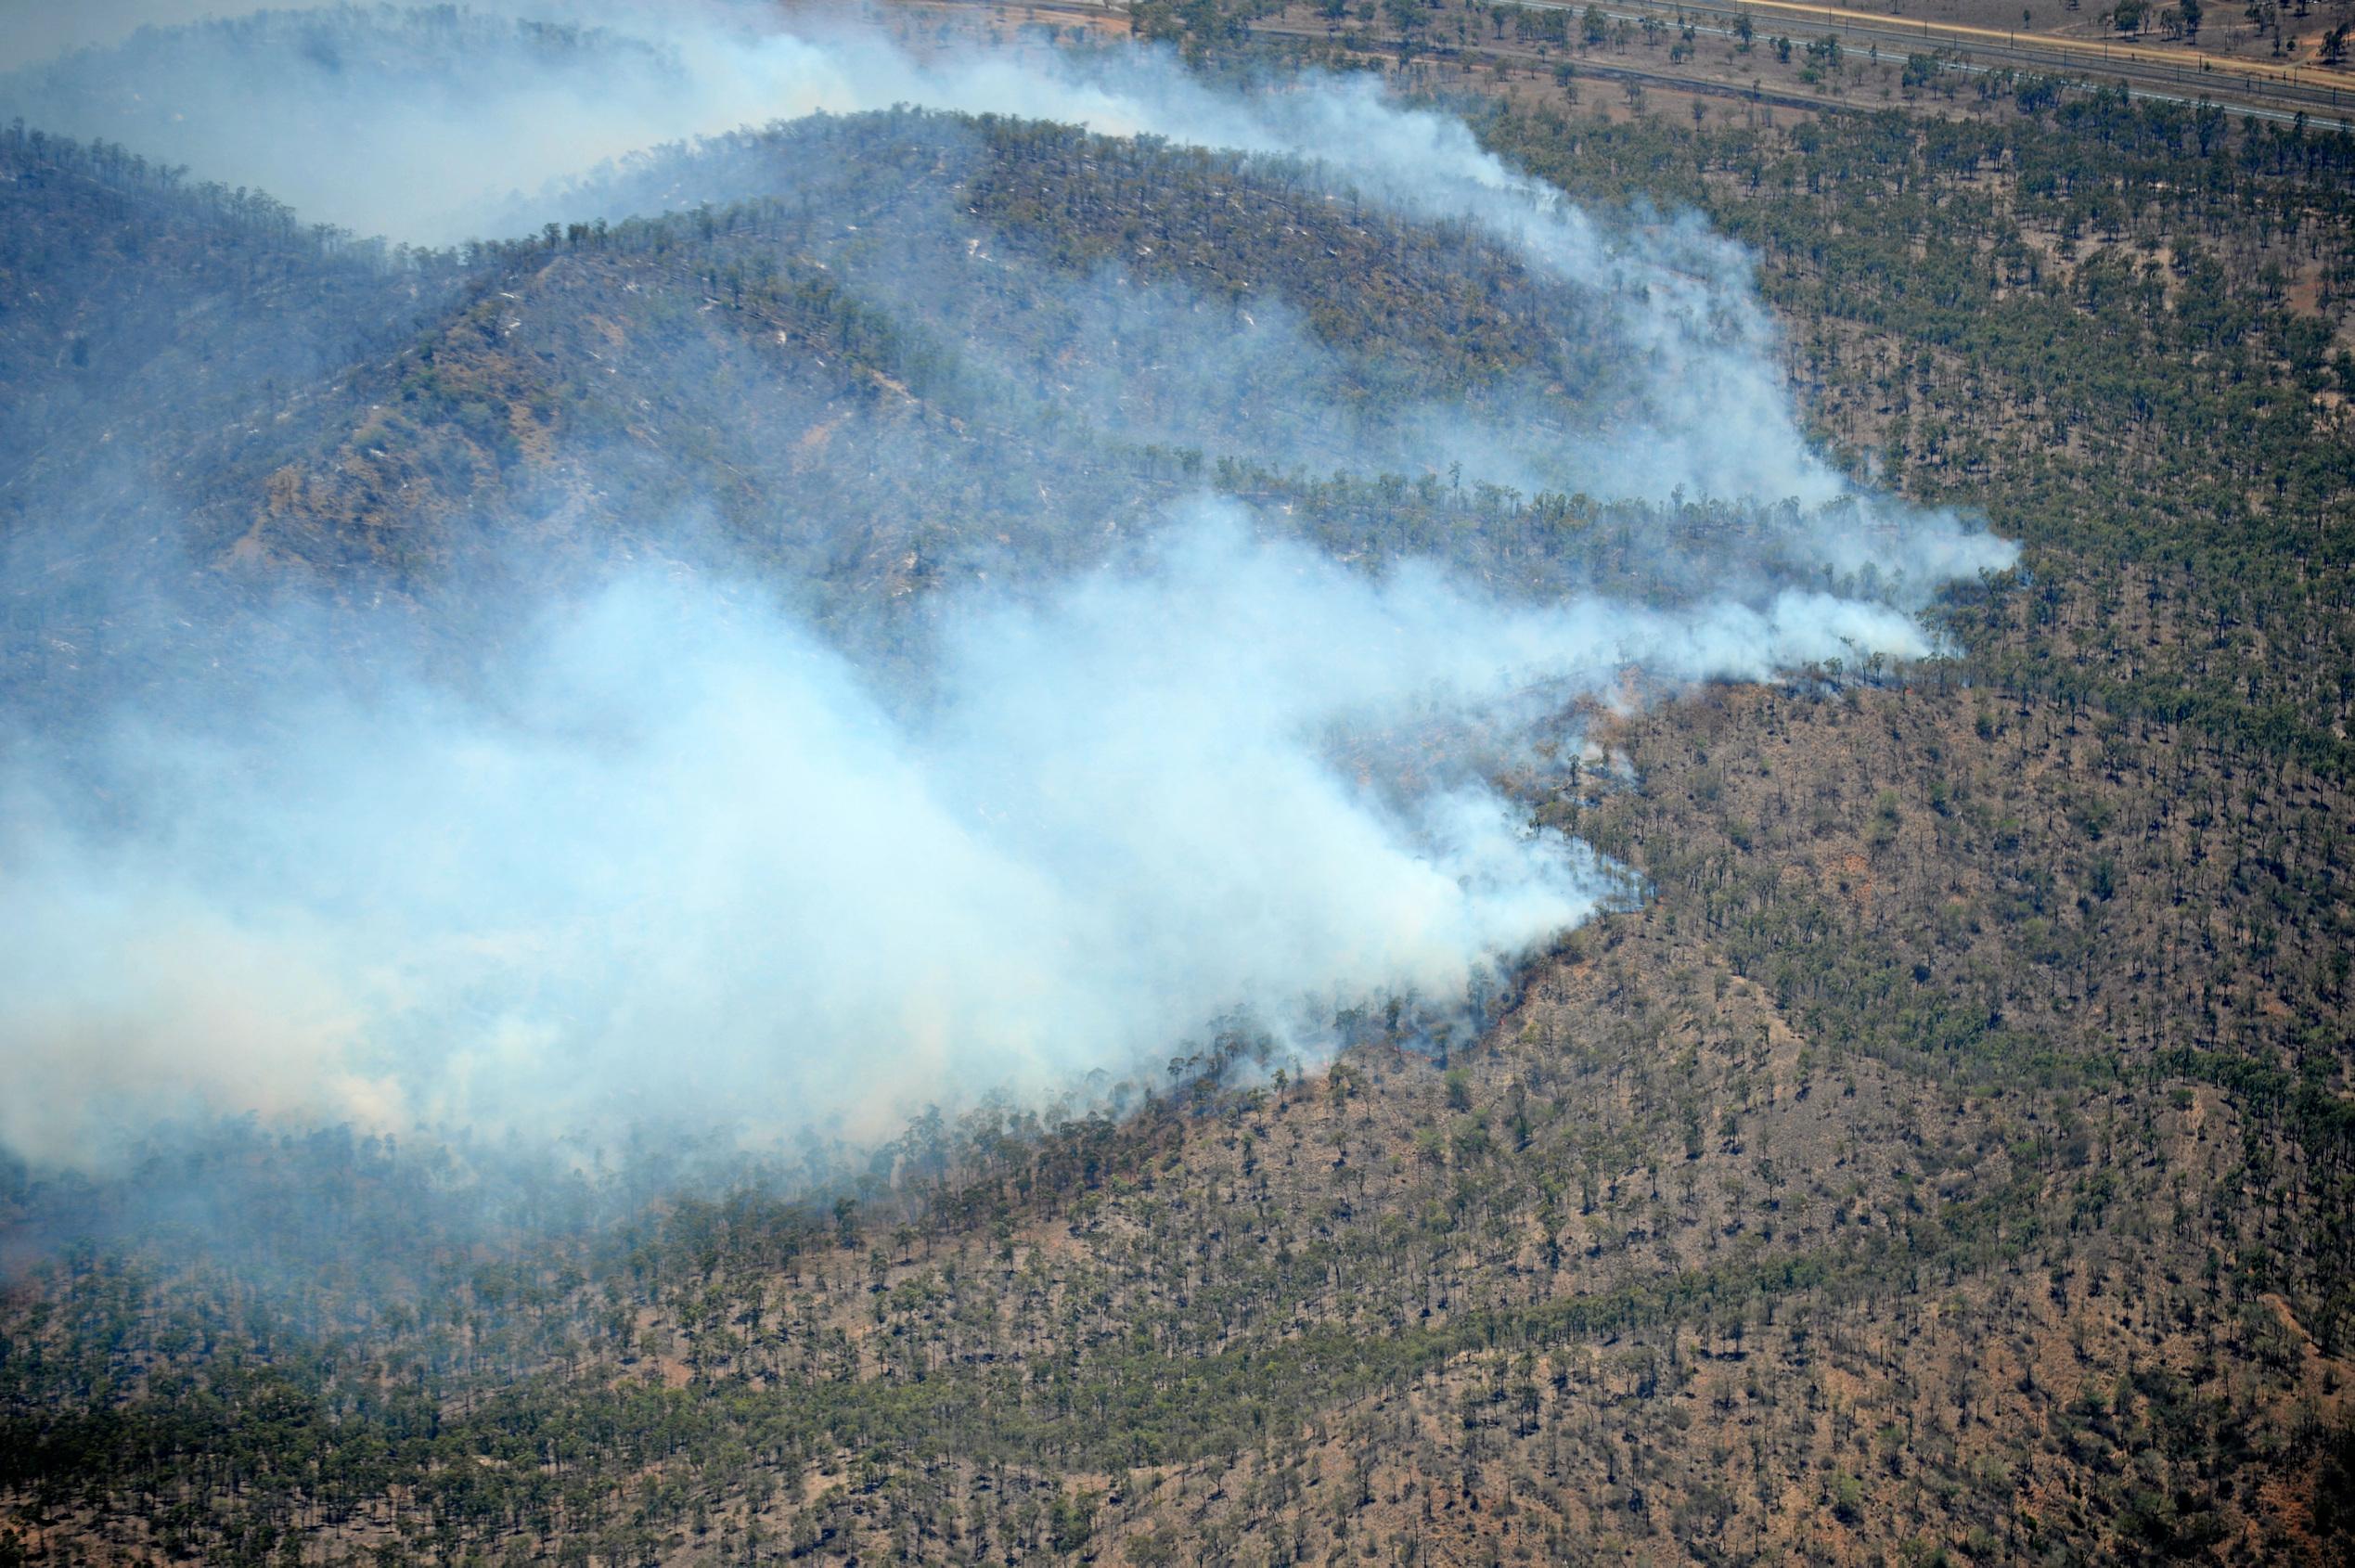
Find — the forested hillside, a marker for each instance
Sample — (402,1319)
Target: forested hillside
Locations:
(1943,1150)
(953,332)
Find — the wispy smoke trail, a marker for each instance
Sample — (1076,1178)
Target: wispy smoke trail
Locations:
(430,132)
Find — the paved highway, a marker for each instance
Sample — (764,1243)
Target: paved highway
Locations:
(2170,76)
(2282,94)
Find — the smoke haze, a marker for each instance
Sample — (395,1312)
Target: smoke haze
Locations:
(670,854)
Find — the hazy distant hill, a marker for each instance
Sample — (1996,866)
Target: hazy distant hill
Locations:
(909,344)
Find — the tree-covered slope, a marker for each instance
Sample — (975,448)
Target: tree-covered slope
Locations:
(1944,1154)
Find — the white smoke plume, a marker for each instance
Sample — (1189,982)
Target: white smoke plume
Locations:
(677,859)
(692,865)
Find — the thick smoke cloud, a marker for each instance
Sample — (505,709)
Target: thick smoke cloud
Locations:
(691,865)
(676,858)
